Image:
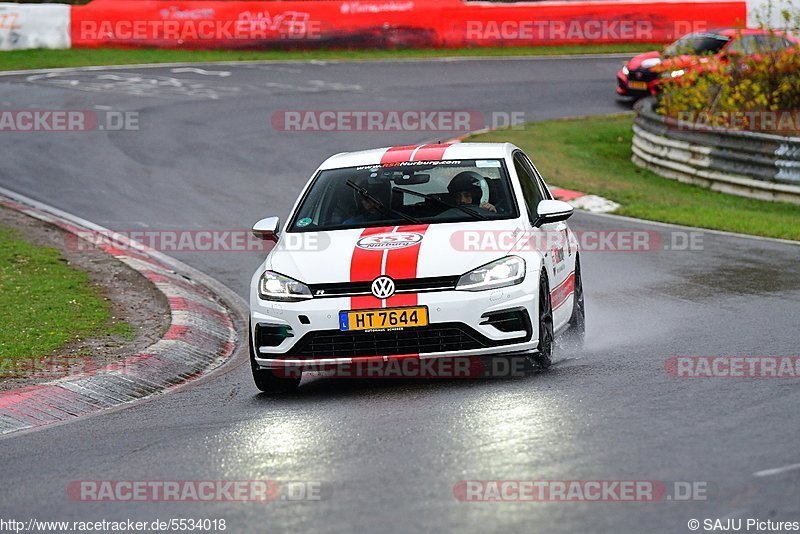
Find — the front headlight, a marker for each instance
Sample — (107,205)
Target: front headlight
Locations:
(504,272)
(625,70)
(274,286)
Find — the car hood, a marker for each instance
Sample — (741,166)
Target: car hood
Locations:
(667,63)
(445,249)
(636,61)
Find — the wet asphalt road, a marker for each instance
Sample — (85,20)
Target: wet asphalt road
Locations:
(388,453)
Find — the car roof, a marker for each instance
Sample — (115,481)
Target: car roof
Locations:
(733,32)
(439,151)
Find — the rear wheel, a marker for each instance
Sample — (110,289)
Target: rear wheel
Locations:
(543,356)
(267,380)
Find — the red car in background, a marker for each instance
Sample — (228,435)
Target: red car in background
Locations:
(642,75)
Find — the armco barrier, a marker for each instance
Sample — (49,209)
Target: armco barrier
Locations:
(33,26)
(390,23)
(748,164)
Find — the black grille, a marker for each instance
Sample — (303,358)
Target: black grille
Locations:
(513,320)
(272,335)
(409,285)
(444,337)
(642,75)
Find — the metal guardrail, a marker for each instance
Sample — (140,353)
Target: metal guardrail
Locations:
(749,164)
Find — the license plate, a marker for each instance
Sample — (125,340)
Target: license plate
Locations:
(638,86)
(383,319)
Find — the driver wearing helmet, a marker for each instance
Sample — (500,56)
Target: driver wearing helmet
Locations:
(368,209)
(465,189)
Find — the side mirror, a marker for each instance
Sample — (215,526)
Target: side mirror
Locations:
(267,228)
(552,211)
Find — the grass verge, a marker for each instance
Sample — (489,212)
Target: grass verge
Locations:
(44,303)
(82,57)
(593,155)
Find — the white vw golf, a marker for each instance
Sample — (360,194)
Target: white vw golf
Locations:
(415,252)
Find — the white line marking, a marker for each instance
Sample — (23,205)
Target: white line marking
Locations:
(776,471)
(194,70)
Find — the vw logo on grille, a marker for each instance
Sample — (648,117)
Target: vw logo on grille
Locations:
(383,287)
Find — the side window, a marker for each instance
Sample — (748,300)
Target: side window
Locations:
(540,181)
(547,194)
(744,45)
(530,192)
(736,47)
(771,43)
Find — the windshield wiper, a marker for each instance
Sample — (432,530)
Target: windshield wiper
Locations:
(365,194)
(465,209)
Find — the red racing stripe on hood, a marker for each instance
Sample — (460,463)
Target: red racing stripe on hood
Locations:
(402,263)
(365,266)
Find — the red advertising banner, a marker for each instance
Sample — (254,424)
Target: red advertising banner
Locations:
(389,23)
(554,23)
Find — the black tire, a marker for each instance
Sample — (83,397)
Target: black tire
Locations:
(577,323)
(267,380)
(543,357)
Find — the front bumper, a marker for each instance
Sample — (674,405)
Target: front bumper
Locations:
(462,323)
(624,88)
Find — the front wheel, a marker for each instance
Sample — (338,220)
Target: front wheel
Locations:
(268,380)
(577,322)
(543,356)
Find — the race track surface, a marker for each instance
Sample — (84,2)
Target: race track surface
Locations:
(390,452)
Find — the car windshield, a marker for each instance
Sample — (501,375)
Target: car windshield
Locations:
(697,44)
(426,192)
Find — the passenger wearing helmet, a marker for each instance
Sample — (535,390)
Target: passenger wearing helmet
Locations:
(465,189)
(369,210)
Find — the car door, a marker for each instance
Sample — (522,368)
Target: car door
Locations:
(532,195)
(560,258)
